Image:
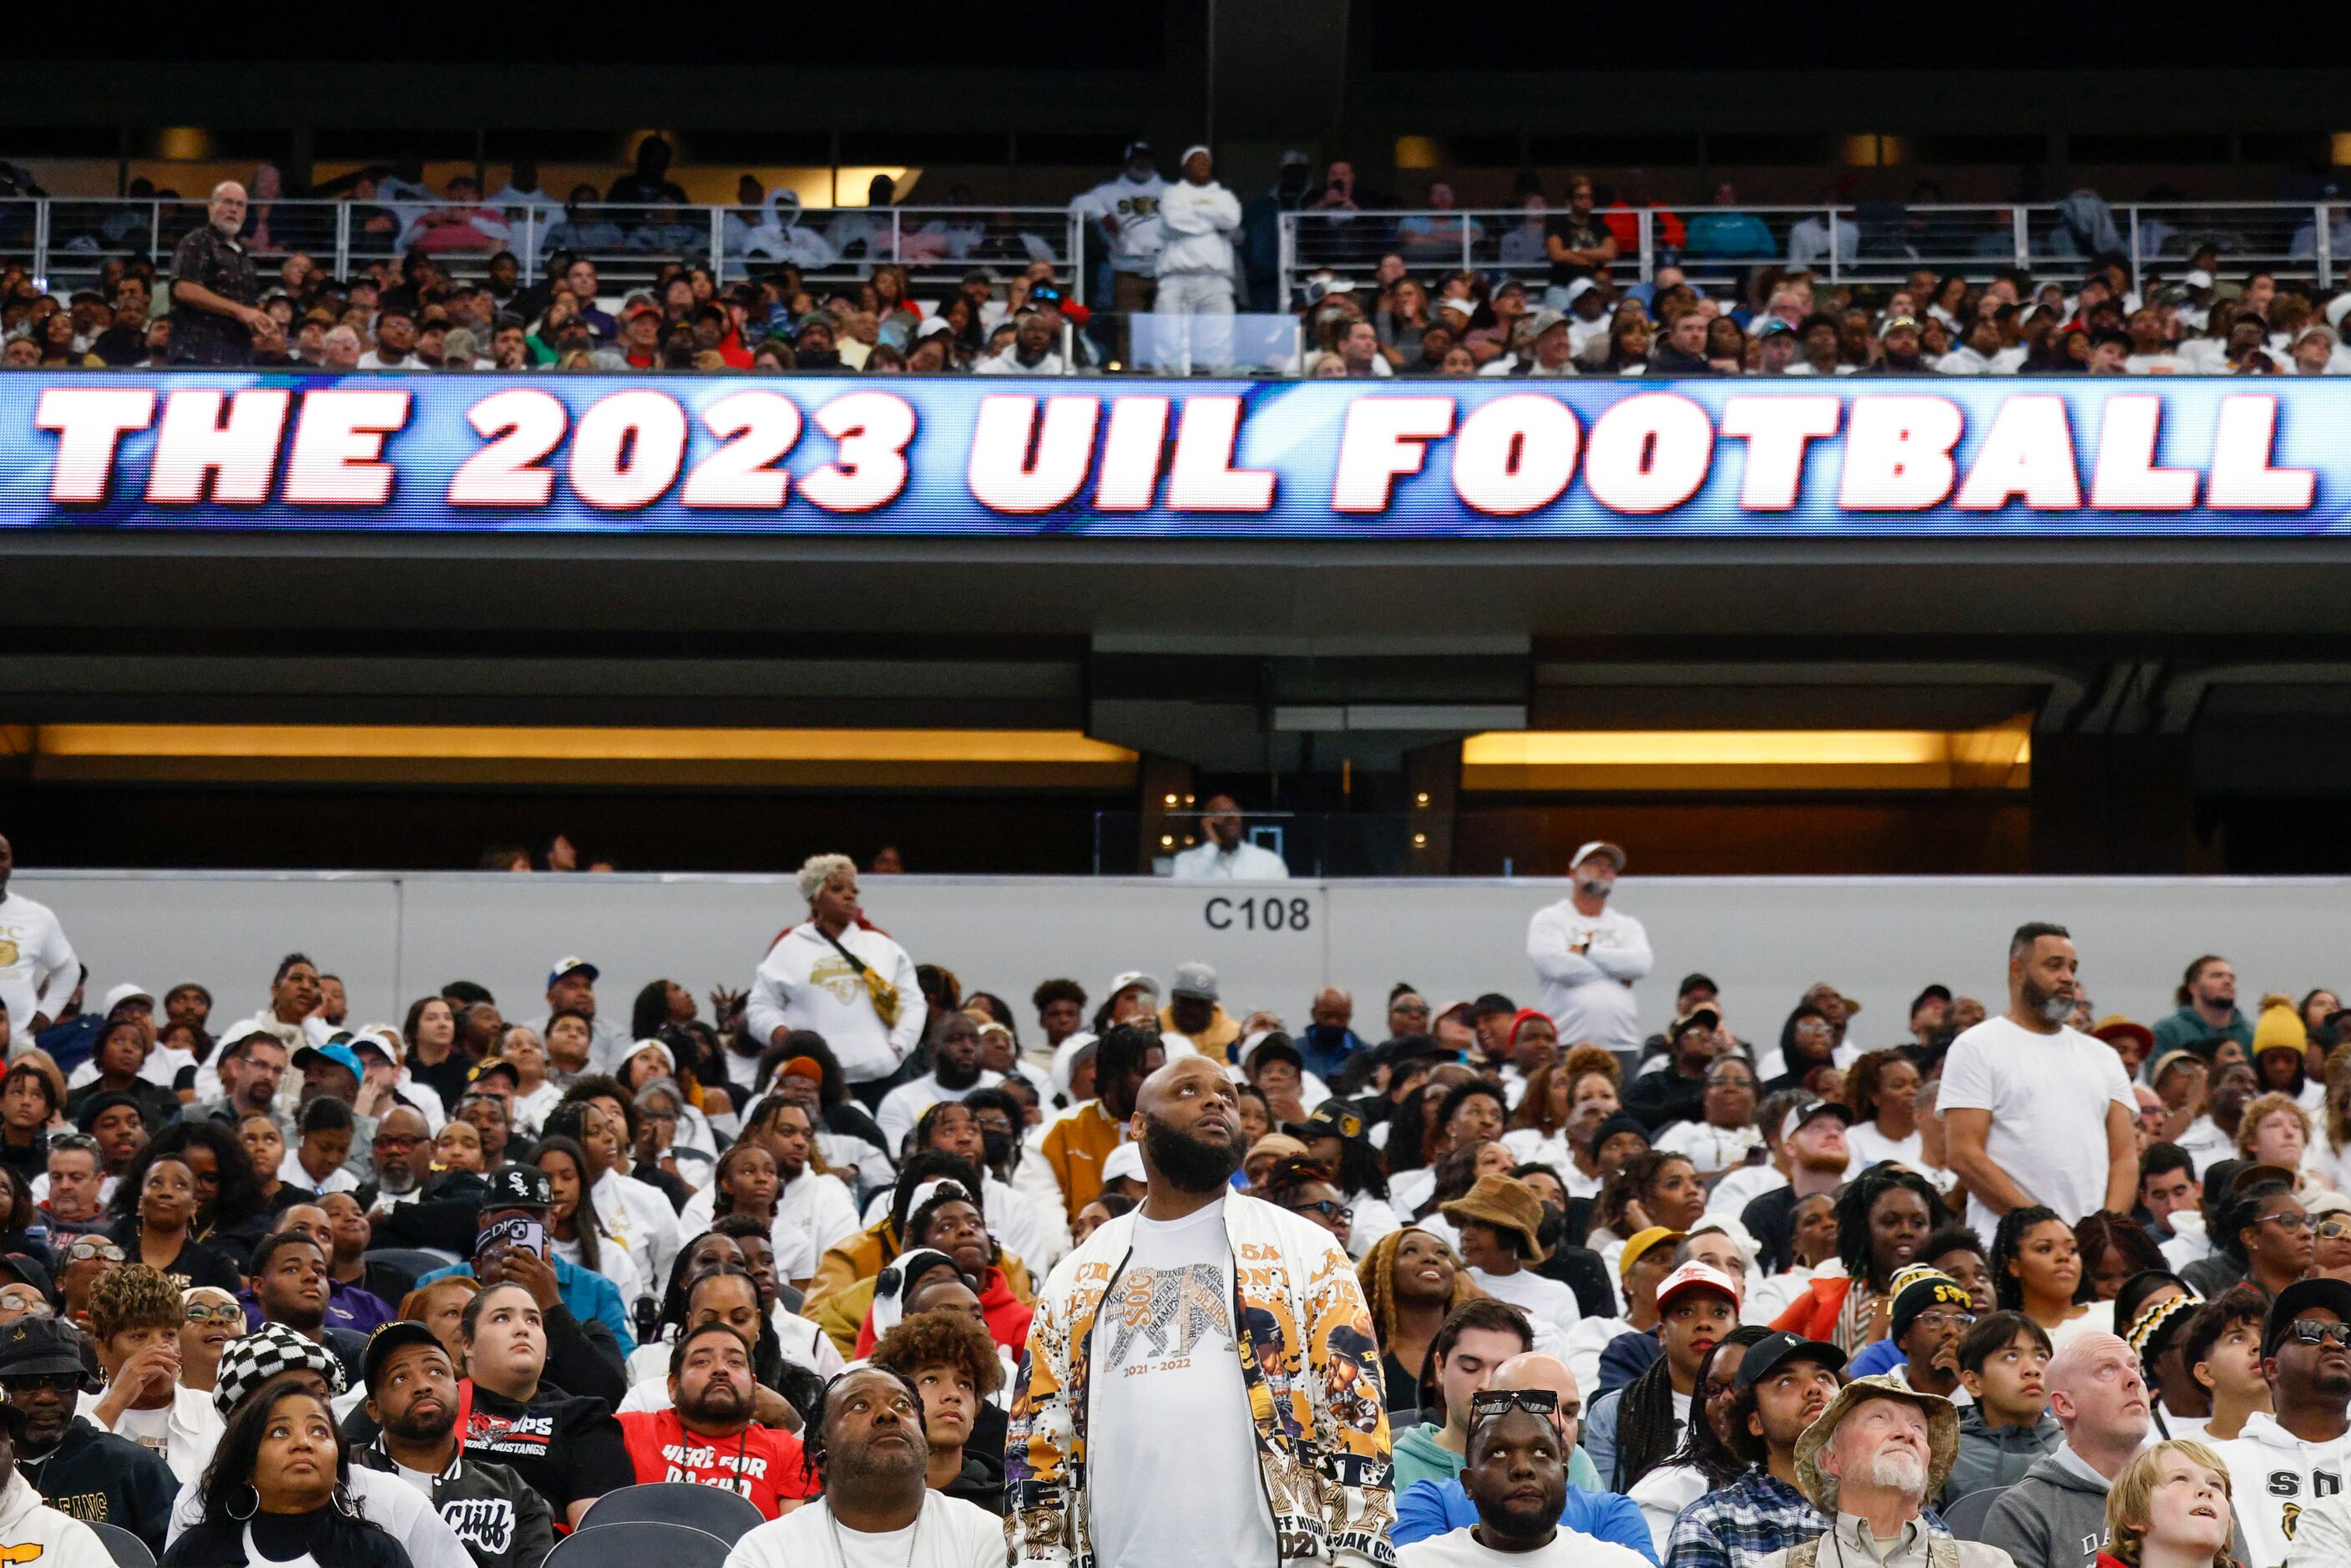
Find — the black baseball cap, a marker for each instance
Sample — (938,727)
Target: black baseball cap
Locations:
(1331,1119)
(2295,1300)
(399,1334)
(1493,1002)
(519,1187)
(40,1347)
(1622,1121)
(1766,1355)
(28,1269)
(97,1105)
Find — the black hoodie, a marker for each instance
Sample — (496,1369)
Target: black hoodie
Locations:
(97,1477)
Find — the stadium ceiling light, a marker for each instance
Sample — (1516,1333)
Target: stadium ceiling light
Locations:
(1994,757)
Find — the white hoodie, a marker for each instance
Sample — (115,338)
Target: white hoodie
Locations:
(1135,204)
(1199,221)
(31,1531)
(2274,1476)
(805,983)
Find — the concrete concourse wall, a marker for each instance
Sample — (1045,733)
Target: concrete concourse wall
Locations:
(395,935)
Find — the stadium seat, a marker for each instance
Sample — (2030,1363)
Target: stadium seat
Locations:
(1966,1517)
(638,1544)
(127,1550)
(722,1513)
(408,1262)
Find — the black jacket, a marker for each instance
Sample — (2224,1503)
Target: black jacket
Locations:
(345,1543)
(98,1478)
(978,1485)
(502,1522)
(1656,1098)
(445,1218)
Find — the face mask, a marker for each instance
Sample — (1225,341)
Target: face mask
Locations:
(1552,1231)
(998,1146)
(1591,888)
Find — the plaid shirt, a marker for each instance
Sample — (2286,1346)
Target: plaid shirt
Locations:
(1742,1523)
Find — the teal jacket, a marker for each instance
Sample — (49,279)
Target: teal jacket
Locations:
(586,1293)
(1419,1458)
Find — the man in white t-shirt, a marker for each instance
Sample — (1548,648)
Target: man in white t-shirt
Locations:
(954,1072)
(1222,856)
(39,970)
(1517,1480)
(2036,1113)
(878,1509)
(1588,956)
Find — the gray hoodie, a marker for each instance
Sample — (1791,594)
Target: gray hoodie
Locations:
(2054,1518)
(1997,1456)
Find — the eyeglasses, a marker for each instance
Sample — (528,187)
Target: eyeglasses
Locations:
(67,1382)
(1942,1319)
(1330,1208)
(91,1247)
(2310,1330)
(2288,1223)
(227,1313)
(2334,1229)
(1488,1403)
(30,1302)
(647,1115)
(397,1140)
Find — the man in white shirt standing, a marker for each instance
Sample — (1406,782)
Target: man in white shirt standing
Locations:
(1196,263)
(37,967)
(1588,956)
(1223,855)
(836,974)
(1126,210)
(2036,1113)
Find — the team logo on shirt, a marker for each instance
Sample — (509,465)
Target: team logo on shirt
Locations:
(1181,1306)
(833,975)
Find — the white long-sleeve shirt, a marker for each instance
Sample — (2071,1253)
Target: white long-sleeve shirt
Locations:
(1589,995)
(1135,204)
(39,970)
(637,1217)
(1199,221)
(804,984)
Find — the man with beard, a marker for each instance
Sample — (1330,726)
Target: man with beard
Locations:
(250,1070)
(954,1072)
(1869,1464)
(1103,1390)
(870,1453)
(1783,1384)
(2037,1113)
(1517,1480)
(78,1467)
(413,1398)
(1588,956)
(707,1436)
(2286,1462)
(403,1154)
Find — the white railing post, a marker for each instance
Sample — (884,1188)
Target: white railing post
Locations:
(897,247)
(1836,247)
(2325,232)
(1286,261)
(1648,244)
(717,246)
(41,241)
(1465,243)
(2019,224)
(2138,284)
(1073,246)
(530,244)
(343,241)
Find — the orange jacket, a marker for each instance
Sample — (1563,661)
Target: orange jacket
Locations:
(1813,1315)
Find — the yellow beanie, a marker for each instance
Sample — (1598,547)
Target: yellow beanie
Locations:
(2280,1026)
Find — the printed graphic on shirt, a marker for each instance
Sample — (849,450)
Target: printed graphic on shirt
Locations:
(695,1462)
(515,1437)
(22,1551)
(90,1507)
(484,1524)
(834,976)
(1171,1310)
(2286,1485)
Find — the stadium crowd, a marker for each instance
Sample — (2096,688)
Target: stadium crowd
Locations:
(1557,298)
(1148,1276)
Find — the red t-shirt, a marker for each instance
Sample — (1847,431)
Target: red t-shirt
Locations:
(762,1464)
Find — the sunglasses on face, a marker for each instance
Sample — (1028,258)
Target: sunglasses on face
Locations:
(2334,1229)
(27,1302)
(1331,1210)
(91,1247)
(1488,1403)
(2310,1330)
(72,1141)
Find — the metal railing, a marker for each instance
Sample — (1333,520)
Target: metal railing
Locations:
(67,240)
(1866,244)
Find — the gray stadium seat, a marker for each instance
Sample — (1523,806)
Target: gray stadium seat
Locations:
(127,1550)
(722,1513)
(637,1546)
(407,1262)
(1966,1517)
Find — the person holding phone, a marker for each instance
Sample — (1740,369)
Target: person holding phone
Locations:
(587,1332)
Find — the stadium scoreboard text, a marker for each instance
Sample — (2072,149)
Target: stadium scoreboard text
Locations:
(1492,457)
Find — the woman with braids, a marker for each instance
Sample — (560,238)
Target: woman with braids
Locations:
(1412,1281)
(2036,1270)
(1634,1429)
(2115,1247)
(2265,1238)
(1882,1218)
(1708,1459)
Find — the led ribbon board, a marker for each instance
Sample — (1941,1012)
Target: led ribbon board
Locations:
(1489,457)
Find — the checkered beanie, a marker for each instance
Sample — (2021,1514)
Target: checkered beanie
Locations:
(270,1350)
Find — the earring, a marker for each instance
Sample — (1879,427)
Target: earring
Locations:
(249,1513)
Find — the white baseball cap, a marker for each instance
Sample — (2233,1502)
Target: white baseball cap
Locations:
(1599,847)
